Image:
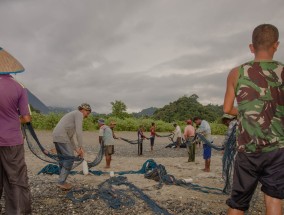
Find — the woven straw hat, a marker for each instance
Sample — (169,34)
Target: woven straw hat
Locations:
(9,64)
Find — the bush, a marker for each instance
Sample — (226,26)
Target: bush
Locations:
(48,122)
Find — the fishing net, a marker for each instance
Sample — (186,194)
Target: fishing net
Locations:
(164,135)
(45,153)
(173,143)
(228,160)
(116,198)
(160,175)
(133,142)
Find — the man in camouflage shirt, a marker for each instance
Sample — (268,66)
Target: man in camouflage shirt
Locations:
(258,88)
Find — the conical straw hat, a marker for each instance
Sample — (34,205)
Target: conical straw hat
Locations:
(9,64)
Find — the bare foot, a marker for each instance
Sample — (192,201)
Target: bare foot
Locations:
(206,170)
(107,167)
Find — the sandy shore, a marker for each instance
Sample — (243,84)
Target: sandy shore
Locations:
(48,199)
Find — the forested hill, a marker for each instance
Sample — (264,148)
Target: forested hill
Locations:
(187,108)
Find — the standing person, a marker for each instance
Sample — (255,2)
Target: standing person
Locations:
(177,133)
(152,135)
(205,130)
(112,126)
(258,88)
(63,139)
(141,137)
(189,133)
(14,110)
(106,138)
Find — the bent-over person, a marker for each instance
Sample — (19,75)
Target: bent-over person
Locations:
(63,139)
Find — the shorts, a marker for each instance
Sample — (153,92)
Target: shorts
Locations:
(251,168)
(206,152)
(152,140)
(109,149)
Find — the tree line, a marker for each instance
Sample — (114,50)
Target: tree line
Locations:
(178,111)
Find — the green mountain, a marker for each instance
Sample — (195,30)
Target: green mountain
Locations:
(145,112)
(187,108)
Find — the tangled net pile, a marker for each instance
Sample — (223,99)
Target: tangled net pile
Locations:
(116,198)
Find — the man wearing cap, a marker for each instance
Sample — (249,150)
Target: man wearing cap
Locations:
(112,126)
(189,133)
(177,133)
(14,109)
(205,129)
(63,138)
(107,140)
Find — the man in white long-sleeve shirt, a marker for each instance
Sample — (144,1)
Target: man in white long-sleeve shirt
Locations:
(63,138)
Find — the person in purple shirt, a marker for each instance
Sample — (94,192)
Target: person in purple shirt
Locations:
(14,110)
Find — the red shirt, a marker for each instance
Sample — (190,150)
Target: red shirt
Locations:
(153,131)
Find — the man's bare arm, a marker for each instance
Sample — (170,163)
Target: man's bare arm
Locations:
(228,106)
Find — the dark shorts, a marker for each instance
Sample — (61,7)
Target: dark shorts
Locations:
(206,152)
(109,149)
(152,140)
(178,141)
(251,168)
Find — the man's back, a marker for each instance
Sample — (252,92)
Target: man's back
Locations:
(13,103)
(189,131)
(68,125)
(260,98)
(107,135)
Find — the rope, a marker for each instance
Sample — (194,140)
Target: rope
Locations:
(166,135)
(130,141)
(209,143)
(31,136)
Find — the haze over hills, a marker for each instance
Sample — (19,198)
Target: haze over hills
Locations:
(38,105)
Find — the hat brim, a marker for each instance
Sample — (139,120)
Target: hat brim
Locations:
(9,64)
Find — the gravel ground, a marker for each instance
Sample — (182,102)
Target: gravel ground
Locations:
(48,199)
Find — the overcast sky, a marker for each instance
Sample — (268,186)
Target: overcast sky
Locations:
(143,52)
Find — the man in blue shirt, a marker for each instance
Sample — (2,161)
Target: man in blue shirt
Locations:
(205,130)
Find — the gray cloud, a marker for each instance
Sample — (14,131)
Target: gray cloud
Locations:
(145,53)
